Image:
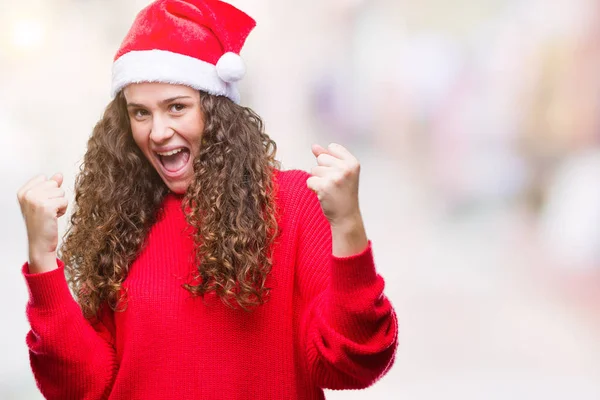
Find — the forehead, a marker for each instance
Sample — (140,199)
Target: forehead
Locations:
(154,92)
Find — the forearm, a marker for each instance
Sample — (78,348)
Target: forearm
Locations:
(353,330)
(69,358)
(348,236)
(348,327)
(41,262)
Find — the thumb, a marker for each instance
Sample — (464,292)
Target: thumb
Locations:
(58,178)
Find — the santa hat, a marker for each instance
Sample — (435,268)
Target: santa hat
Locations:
(189,42)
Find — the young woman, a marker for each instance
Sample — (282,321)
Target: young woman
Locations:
(200,269)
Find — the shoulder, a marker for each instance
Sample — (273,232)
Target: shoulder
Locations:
(293,196)
(291,177)
(291,185)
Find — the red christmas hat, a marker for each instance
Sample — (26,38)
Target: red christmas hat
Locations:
(189,42)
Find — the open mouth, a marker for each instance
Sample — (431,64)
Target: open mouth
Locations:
(175,160)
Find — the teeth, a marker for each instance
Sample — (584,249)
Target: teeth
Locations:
(169,153)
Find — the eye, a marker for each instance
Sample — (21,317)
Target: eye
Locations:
(140,113)
(177,107)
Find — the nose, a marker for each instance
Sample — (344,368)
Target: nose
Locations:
(161,131)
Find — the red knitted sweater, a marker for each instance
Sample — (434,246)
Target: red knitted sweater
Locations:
(326,324)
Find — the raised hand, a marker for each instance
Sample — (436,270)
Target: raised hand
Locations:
(335,181)
(42,202)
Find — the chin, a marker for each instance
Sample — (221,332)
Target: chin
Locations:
(177,187)
(178,190)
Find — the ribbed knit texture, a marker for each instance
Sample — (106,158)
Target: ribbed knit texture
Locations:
(327,323)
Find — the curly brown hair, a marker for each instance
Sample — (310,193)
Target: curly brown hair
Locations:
(230,205)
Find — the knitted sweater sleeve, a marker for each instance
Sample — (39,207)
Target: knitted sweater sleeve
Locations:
(71,357)
(349,329)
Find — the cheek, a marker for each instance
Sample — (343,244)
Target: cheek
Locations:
(193,128)
(136,132)
(139,137)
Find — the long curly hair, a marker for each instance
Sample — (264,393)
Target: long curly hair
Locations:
(230,205)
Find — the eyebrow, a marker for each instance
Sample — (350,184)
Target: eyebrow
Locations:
(162,102)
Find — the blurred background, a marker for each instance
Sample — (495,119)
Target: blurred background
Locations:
(477,124)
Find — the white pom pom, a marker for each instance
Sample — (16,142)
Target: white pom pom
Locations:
(230,67)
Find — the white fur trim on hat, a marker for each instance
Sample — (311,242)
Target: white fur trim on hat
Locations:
(168,67)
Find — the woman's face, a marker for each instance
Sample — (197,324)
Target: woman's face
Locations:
(167,125)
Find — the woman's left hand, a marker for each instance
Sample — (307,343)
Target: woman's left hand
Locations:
(335,181)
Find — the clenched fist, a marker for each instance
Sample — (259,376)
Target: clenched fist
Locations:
(335,181)
(42,202)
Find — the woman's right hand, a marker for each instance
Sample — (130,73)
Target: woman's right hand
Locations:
(42,202)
